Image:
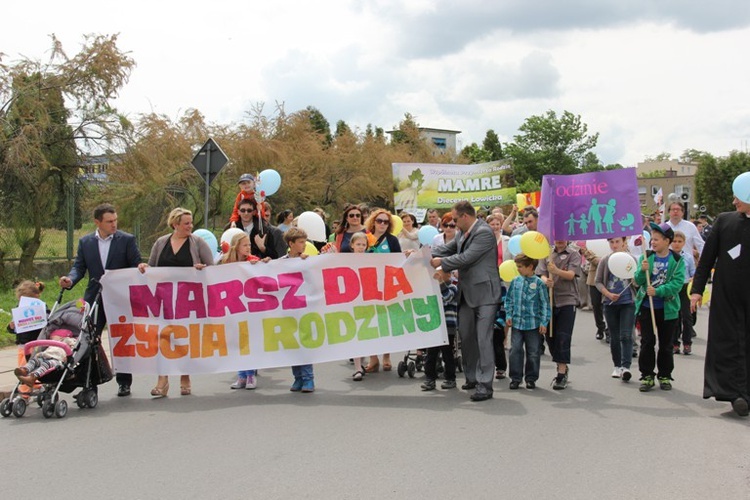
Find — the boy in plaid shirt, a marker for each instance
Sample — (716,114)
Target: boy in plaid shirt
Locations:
(527,312)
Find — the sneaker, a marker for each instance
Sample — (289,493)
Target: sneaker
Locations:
(676,349)
(297,385)
(560,382)
(469,386)
(239,383)
(500,374)
(428,385)
(665,383)
(687,350)
(251,383)
(308,386)
(530,384)
(647,383)
(617,372)
(626,375)
(448,384)
(514,385)
(599,335)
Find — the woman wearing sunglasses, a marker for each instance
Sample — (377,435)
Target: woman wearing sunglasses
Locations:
(351,223)
(449,231)
(381,241)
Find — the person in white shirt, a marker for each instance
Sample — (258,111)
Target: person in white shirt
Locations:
(693,240)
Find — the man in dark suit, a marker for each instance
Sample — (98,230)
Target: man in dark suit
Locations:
(104,249)
(473,252)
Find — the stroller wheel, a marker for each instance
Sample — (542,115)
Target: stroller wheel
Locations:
(6,408)
(19,407)
(91,398)
(48,409)
(61,408)
(411,368)
(80,403)
(401,369)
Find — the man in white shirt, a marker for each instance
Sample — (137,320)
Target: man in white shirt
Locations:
(693,239)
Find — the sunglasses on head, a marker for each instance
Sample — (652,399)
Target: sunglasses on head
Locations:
(353,215)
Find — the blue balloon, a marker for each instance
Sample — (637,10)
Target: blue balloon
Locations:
(741,187)
(647,238)
(269,181)
(426,234)
(514,245)
(208,237)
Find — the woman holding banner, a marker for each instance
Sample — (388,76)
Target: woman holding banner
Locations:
(449,231)
(179,249)
(379,226)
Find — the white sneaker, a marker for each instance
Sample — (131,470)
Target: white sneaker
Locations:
(250,384)
(617,372)
(239,384)
(626,375)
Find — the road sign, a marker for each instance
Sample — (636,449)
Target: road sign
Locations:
(209,160)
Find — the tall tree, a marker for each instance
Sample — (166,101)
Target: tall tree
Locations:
(713,180)
(492,146)
(319,124)
(548,144)
(40,140)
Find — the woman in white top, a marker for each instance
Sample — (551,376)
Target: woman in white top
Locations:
(409,236)
(449,231)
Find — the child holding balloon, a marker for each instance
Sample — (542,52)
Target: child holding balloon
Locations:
(614,281)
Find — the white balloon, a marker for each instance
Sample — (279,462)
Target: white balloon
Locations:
(622,265)
(599,247)
(229,234)
(313,225)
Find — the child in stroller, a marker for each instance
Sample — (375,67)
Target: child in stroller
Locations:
(49,359)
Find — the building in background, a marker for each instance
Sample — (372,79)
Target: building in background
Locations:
(671,176)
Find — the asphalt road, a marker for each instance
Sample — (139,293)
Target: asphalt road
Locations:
(383,438)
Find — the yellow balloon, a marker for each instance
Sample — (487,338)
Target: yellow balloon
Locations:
(520,201)
(397,224)
(534,245)
(508,270)
(310,249)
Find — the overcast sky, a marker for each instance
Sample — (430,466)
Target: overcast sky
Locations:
(648,75)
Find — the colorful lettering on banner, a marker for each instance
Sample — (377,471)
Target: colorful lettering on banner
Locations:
(286,312)
(589,206)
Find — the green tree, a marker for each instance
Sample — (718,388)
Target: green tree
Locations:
(492,146)
(41,139)
(342,128)
(319,124)
(714,177)
(548,144)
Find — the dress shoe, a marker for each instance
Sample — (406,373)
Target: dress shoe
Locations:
(123,390)
(740,407)
(469,386)
(484,396)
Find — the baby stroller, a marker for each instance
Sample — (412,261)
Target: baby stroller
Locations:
(86,365)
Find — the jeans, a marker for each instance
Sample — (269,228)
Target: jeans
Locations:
(303,372)
(532,339)
(245,373)
(664,329)
(430,363)
(563,319)
(620,320)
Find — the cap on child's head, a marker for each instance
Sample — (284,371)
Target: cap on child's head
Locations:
(664,229)
(245,178)
(61,332)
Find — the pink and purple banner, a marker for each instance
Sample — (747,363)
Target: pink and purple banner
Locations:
(591,206)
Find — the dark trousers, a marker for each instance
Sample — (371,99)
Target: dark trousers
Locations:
(596,306)
(449,362)
(648,358)
(498,343)
(684,326)
(101,321)
(563,319)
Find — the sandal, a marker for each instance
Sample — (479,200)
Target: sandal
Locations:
(372,367)
(185,385)
(358,375)
(387,367)
(160,392)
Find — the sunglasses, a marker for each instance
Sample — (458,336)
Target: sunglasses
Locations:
(449,225)
(354,216)
(382,221)
(246,211)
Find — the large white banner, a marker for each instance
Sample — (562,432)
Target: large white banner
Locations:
(286,312)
